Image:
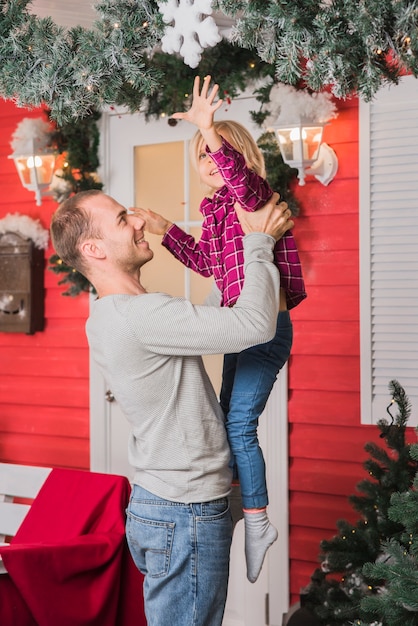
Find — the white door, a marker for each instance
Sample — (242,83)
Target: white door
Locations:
(133,151)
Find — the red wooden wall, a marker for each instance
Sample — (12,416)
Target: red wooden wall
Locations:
(44,378)
(326,439)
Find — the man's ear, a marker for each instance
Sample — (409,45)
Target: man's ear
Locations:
(92,249)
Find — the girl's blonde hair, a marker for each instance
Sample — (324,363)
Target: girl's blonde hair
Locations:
(239,137)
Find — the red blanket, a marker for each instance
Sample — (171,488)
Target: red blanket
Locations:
(69,563)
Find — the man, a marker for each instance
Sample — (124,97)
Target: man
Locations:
(149,347)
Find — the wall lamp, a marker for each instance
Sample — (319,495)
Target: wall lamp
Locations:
(35,169)
(301,147)
(33,155)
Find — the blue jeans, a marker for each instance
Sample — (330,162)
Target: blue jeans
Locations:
(247,380)
(183,551)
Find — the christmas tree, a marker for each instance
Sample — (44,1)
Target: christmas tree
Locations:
(337,589)
(397,567)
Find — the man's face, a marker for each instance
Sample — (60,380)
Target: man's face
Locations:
(122,234)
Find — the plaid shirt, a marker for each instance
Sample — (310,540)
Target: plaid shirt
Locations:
(220,249)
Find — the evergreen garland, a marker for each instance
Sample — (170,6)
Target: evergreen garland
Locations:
(278,173)
(75,282)
(352,46)
(234,69)
(79,140)
(349,46)
(77,70)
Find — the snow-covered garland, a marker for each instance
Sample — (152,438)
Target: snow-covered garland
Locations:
(351,46)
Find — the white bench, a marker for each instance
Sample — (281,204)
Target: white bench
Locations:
(17,481)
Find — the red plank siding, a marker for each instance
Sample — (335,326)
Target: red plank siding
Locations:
(326,439)
(44,378)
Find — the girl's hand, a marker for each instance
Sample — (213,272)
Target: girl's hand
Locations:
(203,109)
(154,223)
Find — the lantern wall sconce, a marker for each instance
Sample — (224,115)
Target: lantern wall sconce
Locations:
(36,170)
(33,155)
(301,147)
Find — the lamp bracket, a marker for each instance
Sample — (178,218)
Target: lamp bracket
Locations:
(326,165)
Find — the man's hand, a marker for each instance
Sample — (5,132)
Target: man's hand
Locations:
(154,223)
(273,219)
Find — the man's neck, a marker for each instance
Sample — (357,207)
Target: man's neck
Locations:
(121,284)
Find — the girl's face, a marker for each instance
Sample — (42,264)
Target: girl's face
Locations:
(207,168)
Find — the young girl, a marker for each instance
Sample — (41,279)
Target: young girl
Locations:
(231,165)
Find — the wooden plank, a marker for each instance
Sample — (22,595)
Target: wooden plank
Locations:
(324,373)
(327,232)
(49,362)
(324,476)
(338,407)
(11,516)
(60,421)
(330,267)
(304,543)
(335,337)
(327,302)
(335,443)
(63,452)
(57,305)
(44,391)
(22,481)
(59,334)
(315,200)
(320,511)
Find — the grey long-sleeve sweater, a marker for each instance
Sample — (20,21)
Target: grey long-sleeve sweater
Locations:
(149,349)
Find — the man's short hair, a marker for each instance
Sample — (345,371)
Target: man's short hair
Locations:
(71,224)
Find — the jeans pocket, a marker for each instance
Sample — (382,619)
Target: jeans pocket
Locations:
(150,543)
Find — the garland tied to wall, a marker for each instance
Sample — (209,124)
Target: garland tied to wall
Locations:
(79,142)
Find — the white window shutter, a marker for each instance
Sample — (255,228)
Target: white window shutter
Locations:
(389,248)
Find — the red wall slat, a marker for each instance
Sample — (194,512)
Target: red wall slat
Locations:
(44,378)
(48,451)
(326,439)
(44,420)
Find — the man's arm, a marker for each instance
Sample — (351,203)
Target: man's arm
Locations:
(174,326)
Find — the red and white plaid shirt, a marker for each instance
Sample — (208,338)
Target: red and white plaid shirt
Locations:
(220,249)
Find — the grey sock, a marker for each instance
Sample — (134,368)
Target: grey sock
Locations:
(259,535)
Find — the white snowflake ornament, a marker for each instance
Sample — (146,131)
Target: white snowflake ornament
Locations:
(190,33)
